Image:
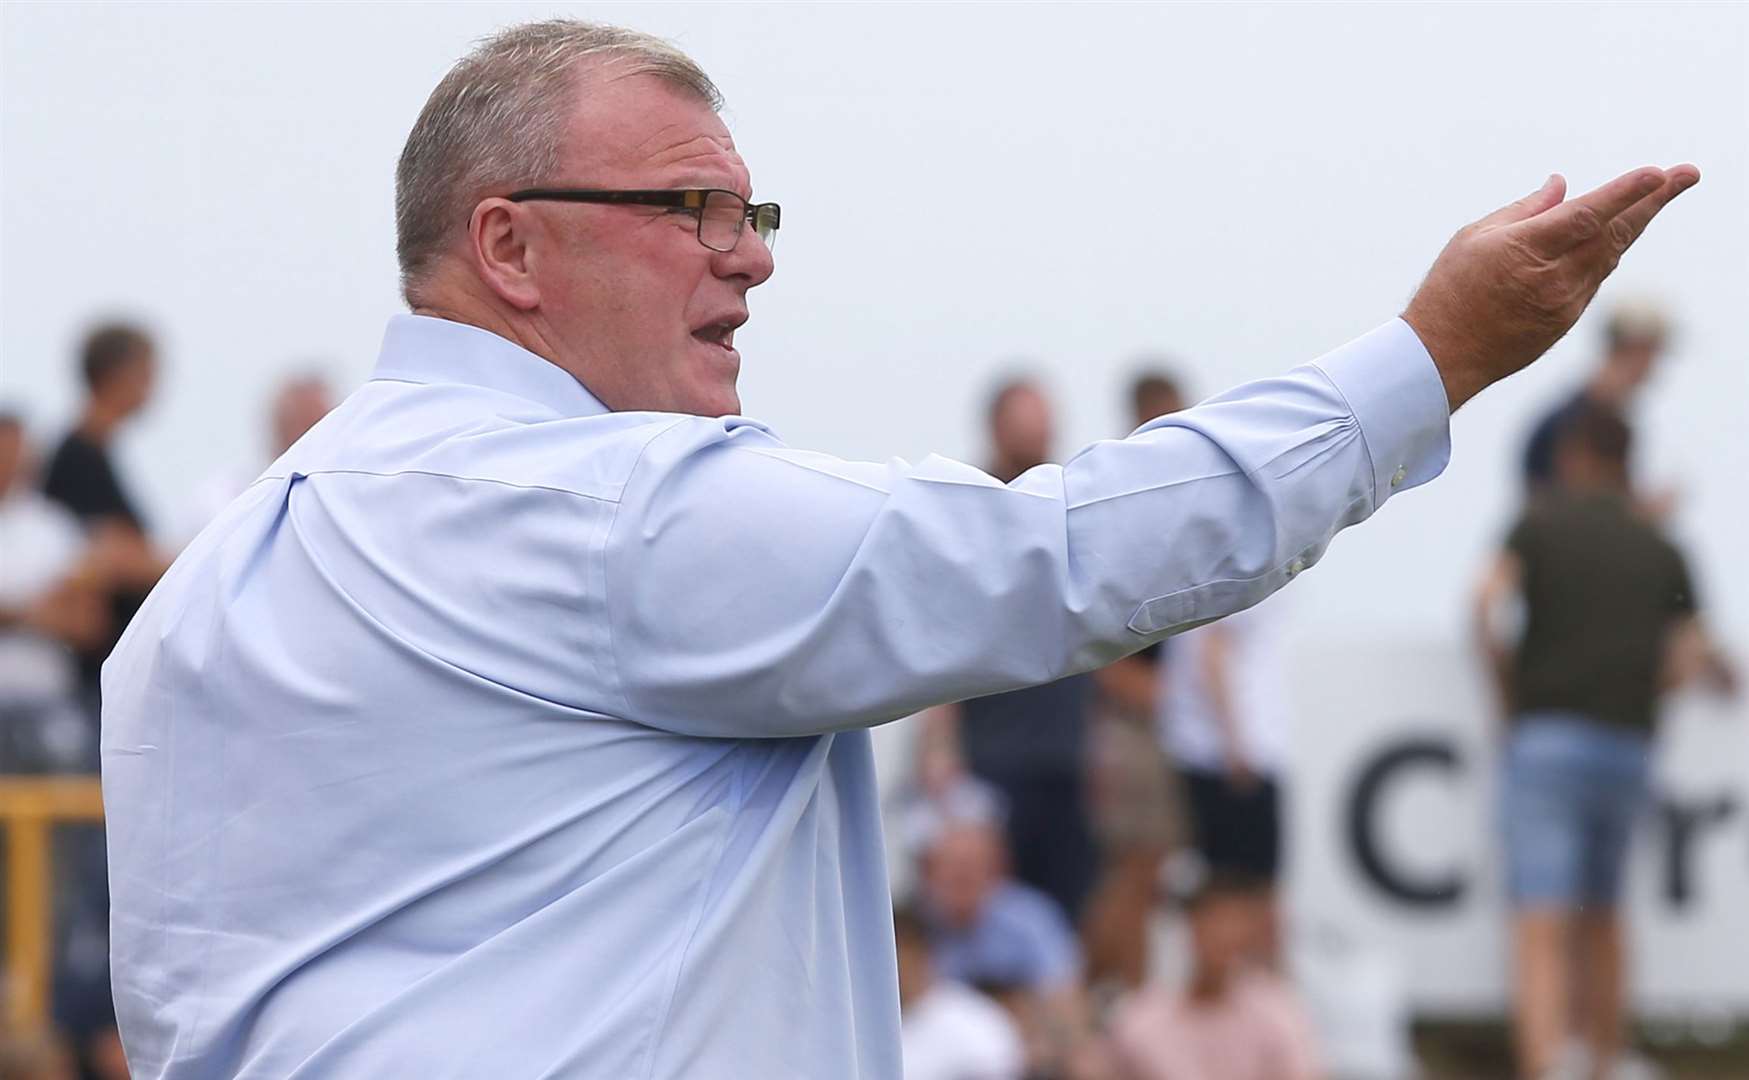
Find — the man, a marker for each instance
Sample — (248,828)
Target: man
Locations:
(118,363)
(988,928)
(1030,744)
(1634,338)
(1153,393)
(950,1031)
(1004,937)
(1232,1020)
(516,722)
(1610,620)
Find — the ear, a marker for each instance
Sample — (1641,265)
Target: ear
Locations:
(498,245)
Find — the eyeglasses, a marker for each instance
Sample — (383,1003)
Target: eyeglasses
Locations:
(721,214)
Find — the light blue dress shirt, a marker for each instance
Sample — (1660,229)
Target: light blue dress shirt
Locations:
(494,734)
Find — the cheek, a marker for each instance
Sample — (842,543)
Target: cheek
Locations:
(659,295)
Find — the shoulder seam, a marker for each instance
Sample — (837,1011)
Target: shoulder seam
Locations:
(441,475)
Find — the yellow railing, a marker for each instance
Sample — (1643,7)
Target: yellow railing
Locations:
(30,807)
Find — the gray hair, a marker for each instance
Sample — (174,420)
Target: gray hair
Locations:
(496,120)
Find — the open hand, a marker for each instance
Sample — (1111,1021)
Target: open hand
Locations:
(1507,287)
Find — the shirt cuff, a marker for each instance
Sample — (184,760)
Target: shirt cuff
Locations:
(1398,400)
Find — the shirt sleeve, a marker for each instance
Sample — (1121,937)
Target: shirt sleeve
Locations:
(758,590)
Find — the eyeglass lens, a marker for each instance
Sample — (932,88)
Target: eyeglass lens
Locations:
(724,215)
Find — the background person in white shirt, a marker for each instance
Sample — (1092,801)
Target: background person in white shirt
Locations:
(1224,719)
(950,1031)
(516,723)
(52,599)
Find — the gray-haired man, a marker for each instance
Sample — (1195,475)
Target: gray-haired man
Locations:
(514,722)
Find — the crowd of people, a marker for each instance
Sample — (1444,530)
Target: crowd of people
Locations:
(1041,861)
(1048,831)
(80,555)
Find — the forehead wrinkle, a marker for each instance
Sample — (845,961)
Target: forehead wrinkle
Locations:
(703,156)
(699,150)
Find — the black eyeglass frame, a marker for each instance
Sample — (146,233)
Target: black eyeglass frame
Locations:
(755,214)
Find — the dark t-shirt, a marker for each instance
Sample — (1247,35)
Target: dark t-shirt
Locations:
(1036,731)
(1602,589)
(81,478)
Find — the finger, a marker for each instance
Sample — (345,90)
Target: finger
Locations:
(1630,223)
(1575,221)
(1550,194)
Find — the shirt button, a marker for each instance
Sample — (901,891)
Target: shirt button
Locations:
(1399,476)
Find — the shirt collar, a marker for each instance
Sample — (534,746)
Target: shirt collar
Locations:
(422,349)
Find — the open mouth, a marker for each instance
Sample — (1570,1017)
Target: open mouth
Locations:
(722,335)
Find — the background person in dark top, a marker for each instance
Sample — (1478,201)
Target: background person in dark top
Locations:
(1634,337)
(118,363)
(1031,744)
(1610,622)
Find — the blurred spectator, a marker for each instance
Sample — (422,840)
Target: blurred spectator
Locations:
(298,403)
(51,600)
(924,811)
(34,1056)
(987,927)
(104,1058)
(1155,393)
(1224,719)
(1233,1020)
(1031,744)
(118,363)
(949,1031)
(54,595)
(1634,338)
(1005,938)
(1610,620)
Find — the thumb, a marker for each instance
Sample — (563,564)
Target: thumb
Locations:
(1554,189)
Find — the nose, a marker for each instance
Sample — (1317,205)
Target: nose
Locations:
(751,260)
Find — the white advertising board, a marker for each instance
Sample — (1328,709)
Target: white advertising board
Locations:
(1395,837)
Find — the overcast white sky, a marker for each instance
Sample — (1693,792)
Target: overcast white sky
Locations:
(963,187)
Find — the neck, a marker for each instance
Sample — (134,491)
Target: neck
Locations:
(99,421)
(1610,388)
(524,329)
(450,296)
(914,991)
(1006,469)
(1207,986)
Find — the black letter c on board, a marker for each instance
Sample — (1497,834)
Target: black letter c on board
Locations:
(1363,808)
